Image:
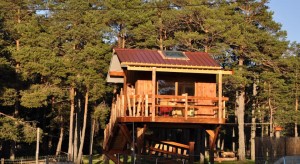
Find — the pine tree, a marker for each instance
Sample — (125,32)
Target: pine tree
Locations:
(255,41)
(79,42)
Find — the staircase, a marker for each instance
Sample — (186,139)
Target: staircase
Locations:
(116,135)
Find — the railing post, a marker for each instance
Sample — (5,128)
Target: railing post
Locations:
(129,105)
(134,106)
(191,151)
(224,110)
(185,106)
(146,105)
(123,109)
(220,95)
(153,92)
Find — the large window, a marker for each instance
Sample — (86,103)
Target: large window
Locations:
(175,88)
(188,88)
(166,87)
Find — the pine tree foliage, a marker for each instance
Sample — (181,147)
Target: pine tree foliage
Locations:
(47,53)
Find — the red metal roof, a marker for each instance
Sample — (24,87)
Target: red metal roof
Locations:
(145,56)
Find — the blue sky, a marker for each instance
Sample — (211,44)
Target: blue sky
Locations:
(287,12)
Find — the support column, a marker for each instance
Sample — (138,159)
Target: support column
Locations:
(140,139)
(220,96)
(125,92)
(213,134)
(191,153)
(153,92)
(202,145)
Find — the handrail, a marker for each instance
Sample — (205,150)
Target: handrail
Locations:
(114,114)
(170,148)
(140,105)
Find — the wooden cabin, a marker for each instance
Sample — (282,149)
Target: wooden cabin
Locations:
(168,101)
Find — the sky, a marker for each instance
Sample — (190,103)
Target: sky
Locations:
(287,13)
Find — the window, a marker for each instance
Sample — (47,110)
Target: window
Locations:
(175,88)
(166,87)
(175,55)
(184,87)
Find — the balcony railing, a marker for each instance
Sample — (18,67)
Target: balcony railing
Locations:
(164,106)
(169,106)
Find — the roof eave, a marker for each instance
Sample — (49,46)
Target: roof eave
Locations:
(126,64)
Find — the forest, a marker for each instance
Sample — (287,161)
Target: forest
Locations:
(54,58)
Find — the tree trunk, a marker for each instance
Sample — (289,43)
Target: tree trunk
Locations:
(93,122)
(12,150)
(75,147)
(83,128)
(160,31)
(240,113)
(296,124)
(233,140)
(296,106)
(240,117)
(70,147)
(271,111)
(61,135)
(253,121)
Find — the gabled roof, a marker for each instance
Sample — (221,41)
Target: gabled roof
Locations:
(146,60)
(157,58)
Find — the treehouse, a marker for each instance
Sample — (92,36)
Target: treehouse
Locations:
(169,101)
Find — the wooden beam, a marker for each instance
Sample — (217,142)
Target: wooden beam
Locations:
(140,138)
(126,133)
(179,70)
(191,151)
(125,92)
(213,134)
(128,64)
(179,120)
(113,158)
(153,93)
(220,113)
(168,152)
(116,74)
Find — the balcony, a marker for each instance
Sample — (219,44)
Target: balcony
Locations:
(169,109)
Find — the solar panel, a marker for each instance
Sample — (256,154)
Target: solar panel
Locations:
(175,55)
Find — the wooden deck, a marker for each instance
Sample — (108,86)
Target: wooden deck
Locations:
(169,108)
(178,120)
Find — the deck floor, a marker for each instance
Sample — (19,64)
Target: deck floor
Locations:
(163,119)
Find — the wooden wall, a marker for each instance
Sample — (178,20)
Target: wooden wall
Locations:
(205,90)
(205,84)
(143,87)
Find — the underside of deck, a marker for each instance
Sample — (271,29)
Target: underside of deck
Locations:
(172,120)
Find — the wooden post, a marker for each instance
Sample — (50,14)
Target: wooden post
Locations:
(220,95)
(213,134)
(153,92)
(134,106)
(185,106)
(123,109)
(140,138)
(129,105)
(191,149)
(125,93)
(146,105)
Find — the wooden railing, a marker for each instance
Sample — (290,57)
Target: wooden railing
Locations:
(114,114)
(180,106)
(169,149)
(140,105)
